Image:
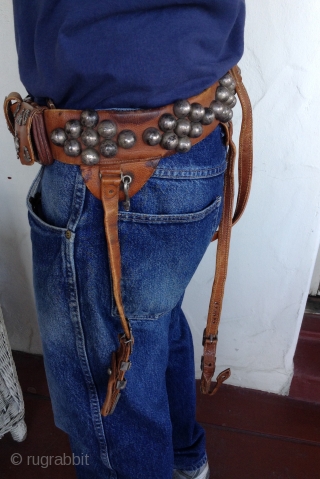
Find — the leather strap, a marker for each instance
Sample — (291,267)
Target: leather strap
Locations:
(210,334)
(245,159)
(110,188)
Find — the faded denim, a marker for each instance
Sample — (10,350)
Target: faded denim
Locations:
(163,238)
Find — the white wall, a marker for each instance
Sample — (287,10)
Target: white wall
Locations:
(16,296)
(275,244)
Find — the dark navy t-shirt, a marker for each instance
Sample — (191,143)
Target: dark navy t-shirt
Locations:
(125,54)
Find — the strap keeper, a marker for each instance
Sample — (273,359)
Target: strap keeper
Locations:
(210,338)
(125,365)
(121,384)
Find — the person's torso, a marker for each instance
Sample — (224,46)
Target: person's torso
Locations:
(133,54)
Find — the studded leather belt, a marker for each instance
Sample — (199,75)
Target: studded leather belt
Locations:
(118,151)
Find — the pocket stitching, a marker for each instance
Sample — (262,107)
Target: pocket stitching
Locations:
(170,218)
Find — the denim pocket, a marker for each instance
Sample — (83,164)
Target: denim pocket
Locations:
(169,227)
(55,198)
(160,254)
(36,216)
(53,213)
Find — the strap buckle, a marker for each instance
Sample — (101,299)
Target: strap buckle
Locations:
(210,338)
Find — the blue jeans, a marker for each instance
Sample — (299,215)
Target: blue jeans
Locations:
(163,238)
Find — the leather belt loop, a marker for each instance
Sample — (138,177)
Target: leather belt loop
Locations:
(110,188)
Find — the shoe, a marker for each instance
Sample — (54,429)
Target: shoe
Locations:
(201,473)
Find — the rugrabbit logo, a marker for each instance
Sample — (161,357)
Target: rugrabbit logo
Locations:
(46,461)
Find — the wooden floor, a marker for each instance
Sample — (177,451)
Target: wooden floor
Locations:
(250,434)
(305,384)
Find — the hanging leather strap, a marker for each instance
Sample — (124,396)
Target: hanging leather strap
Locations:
(110,190)
(210,335)
(245,159)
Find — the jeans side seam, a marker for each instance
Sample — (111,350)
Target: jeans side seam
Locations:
(81,349)
(77,202)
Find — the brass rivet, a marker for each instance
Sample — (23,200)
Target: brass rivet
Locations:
(68,234)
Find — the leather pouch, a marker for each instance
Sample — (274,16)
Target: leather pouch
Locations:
(26,123)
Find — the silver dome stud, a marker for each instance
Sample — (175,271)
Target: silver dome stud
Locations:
(107,129)
(184,145)
(151,136)
(126,139)
(183,127)
(73,129)
(89,118)
(196,130)
(227,115)
(90,137)
(228,82)
(232,101)
(167,122)
(90,156)
(181,108)
(222,112)
(196,113)
(222,94)
(72,148)
(208,116)
(108,148)
(169,140)
(58,137)
(217,108)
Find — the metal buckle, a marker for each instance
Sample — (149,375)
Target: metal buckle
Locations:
(210,338)
(121,384)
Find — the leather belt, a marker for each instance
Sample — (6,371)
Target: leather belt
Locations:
(118,151)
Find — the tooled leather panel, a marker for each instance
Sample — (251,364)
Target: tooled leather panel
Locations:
(12,97)
(23,115)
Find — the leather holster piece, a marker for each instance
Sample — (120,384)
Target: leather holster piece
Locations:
(26,123)
(32,125)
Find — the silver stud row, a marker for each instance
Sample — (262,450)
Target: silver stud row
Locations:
(174,131)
